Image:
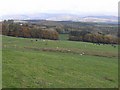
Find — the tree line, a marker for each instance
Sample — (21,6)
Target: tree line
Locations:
(10,28)
(28,30)
(87,36)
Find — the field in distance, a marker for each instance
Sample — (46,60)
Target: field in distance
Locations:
(39,63)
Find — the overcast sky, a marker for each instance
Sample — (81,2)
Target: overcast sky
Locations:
(102,7)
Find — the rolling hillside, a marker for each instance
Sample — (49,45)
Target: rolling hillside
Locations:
(31,63)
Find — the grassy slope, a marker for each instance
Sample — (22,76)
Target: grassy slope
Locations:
(35,68)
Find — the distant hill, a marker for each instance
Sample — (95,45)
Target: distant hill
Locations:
(63,17)
(104,19)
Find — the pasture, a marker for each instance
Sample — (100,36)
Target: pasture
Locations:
(39,63)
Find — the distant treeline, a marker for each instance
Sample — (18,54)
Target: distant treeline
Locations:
(64,27)
(87,36)
(10,28)
(46,31)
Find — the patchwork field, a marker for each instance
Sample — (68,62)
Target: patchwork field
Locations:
(43,63)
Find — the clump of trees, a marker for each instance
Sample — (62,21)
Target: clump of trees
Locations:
(10,28)
(86,36)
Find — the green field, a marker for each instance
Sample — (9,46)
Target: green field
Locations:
(64,36)
(57,64)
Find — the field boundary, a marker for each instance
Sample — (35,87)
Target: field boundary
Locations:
(80,52)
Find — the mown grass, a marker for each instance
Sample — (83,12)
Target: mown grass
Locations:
(26,67)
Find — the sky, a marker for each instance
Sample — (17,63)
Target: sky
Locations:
(102,7)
